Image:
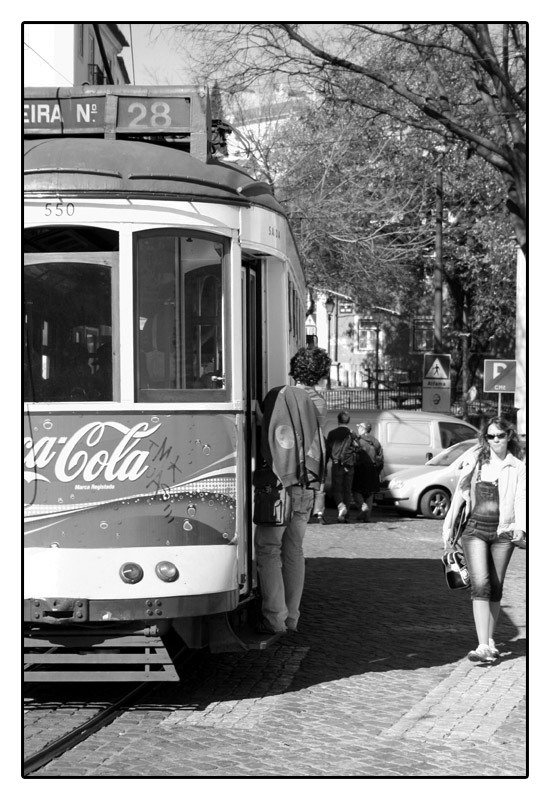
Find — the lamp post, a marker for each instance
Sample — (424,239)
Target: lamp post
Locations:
(376,317)
(329,305)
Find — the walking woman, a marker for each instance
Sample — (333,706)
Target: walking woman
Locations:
(493,487)
(366,476)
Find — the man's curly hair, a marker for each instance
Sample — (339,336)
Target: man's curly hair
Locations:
(309,364)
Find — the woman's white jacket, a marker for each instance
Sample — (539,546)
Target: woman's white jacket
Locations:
(511,491)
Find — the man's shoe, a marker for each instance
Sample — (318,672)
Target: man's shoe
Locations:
(264,628)
(482,654)
(342,512)
(321,520)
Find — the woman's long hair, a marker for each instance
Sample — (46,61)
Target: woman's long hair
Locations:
(514,444)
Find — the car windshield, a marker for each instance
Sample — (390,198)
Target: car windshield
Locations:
(447,457)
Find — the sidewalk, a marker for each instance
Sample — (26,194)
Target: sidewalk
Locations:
(376,684)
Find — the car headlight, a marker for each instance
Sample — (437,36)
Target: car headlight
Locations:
(396,484)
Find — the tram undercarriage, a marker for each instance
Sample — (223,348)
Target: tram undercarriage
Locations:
(128,652)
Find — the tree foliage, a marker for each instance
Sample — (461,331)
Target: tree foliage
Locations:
(356,167)
(358,208)
(465,82)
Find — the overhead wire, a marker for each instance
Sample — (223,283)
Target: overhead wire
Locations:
(47,62)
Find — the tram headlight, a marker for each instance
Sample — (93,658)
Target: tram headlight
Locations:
(167,571)
(131,572)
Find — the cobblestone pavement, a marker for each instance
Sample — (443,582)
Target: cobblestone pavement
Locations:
(376,683)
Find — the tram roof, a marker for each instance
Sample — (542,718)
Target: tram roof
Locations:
(130,141)
(126,168)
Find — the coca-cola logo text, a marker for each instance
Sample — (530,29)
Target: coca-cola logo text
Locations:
(78,456)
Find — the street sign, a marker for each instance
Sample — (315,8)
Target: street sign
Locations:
(436,383)
(499,376)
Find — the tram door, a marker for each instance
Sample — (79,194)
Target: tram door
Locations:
(252,389)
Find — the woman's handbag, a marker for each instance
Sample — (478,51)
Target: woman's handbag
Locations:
(456,571)
(454,564)
(272,502)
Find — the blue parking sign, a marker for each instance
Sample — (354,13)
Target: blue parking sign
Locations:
(499,375)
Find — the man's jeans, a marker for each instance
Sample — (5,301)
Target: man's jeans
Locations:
(281,565)
(342,482)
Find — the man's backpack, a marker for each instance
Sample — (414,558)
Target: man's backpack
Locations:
(345,451)
(373,452)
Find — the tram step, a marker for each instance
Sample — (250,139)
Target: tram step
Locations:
(82,658)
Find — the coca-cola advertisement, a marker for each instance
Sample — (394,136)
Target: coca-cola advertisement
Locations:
(129,479)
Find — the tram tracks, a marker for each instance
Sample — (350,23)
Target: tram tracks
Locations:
(89,727)
(100,720)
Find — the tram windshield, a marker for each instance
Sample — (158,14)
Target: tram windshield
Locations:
(67,351)
(180,316)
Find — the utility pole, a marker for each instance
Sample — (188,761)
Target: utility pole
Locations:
(465,358)
(438,269)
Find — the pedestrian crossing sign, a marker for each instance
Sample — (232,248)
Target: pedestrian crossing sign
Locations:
(436,384)
(437,367)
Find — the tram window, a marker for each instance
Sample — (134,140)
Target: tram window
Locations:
(68,330)
(70,239)
(180,311)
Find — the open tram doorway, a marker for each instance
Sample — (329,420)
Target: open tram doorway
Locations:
(252,353)
(252,332)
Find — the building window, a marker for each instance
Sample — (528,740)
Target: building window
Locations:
(80,39)
(423,335)
(91,49)
(367,336)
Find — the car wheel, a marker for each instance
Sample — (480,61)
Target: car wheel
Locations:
(435,503)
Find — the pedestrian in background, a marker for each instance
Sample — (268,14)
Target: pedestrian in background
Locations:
(293,446)
(342,450)
(493,487)
(366,475)
(309,367)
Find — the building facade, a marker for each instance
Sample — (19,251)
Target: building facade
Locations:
(73,54)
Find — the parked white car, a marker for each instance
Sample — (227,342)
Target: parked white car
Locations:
(428,489)
(408,438)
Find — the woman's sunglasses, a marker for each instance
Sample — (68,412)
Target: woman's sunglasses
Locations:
(491,436)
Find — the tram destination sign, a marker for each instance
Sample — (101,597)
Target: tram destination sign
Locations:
(64,115)
(94,114)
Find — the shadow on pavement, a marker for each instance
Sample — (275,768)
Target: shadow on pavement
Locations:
(358,616)
(361,615)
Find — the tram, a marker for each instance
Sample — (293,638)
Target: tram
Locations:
(163,297)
